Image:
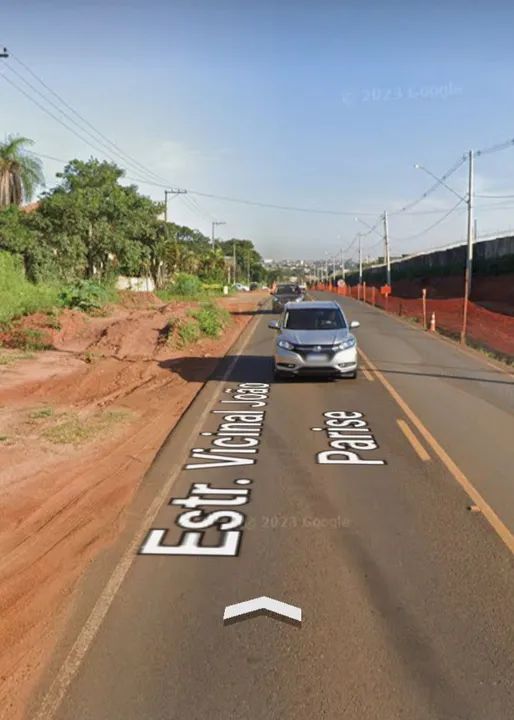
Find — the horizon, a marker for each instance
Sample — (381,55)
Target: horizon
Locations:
(326,109)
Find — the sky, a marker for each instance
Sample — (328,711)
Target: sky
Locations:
(323,105)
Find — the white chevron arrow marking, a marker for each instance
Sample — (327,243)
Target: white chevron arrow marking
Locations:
(262,604)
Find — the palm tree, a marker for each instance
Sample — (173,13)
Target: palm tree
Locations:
(20,173)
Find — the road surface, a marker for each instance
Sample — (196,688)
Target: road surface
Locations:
(407,594)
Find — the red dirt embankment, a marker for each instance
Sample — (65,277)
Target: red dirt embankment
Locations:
(79,426)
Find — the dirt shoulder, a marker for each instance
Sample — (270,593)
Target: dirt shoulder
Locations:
(79,426)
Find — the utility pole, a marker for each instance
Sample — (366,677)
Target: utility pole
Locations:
(469,253)
(360,259)
(387,255)
(213,225)
(170,192)
(234,260)
(342,265)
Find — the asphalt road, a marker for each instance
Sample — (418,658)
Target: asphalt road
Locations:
(407,596)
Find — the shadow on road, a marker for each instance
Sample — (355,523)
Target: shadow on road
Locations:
(247,368)
(448,375)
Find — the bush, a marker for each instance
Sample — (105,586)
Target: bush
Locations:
(189,332)
(85,295)
(187,285)
(211,319)
(19,296)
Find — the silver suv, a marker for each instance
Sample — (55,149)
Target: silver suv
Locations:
(315,338)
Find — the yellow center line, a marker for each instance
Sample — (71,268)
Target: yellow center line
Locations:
(418,447)
(501,529)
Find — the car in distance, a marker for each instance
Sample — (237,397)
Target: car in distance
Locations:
(284,294)
(241,288)
(314,338)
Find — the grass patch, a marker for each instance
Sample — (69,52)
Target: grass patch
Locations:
(208,320)
(188,332)
(189,288)
(88,296)
(211,319)
(6,359)
(40,413)
(70,429)
(20,297)
(3,438)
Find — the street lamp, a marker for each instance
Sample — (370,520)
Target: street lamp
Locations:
(469,254)
(418,166)
(385,237)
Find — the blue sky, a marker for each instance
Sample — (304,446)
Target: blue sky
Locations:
(322,105)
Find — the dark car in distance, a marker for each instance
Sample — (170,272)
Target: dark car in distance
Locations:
(284,294)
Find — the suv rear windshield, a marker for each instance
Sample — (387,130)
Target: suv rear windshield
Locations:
(287,290)
(314,319)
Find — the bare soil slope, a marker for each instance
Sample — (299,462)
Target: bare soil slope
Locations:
(79,426)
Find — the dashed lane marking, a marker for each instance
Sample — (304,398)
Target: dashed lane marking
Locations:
(498,525)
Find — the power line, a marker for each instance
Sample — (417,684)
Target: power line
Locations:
(431,227)
(54,117)
(100,139)
(496,148)
(315,211)
(494,196)
(54,105)
(113,145)
(432,188)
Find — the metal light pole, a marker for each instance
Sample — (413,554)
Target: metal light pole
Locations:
(360,265)
(213,226)
(469,250)
(387,255)
(373,229)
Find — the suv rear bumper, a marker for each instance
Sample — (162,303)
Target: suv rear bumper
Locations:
(344,362)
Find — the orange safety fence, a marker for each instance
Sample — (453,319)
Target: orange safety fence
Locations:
(488,329)
(491,330)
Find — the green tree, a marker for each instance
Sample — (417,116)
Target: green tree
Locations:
(248,260)
(97,226)
(20,173)
(19,235)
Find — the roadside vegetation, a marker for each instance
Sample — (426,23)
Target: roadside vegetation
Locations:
(207,320)
(89,229)
(68,427)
